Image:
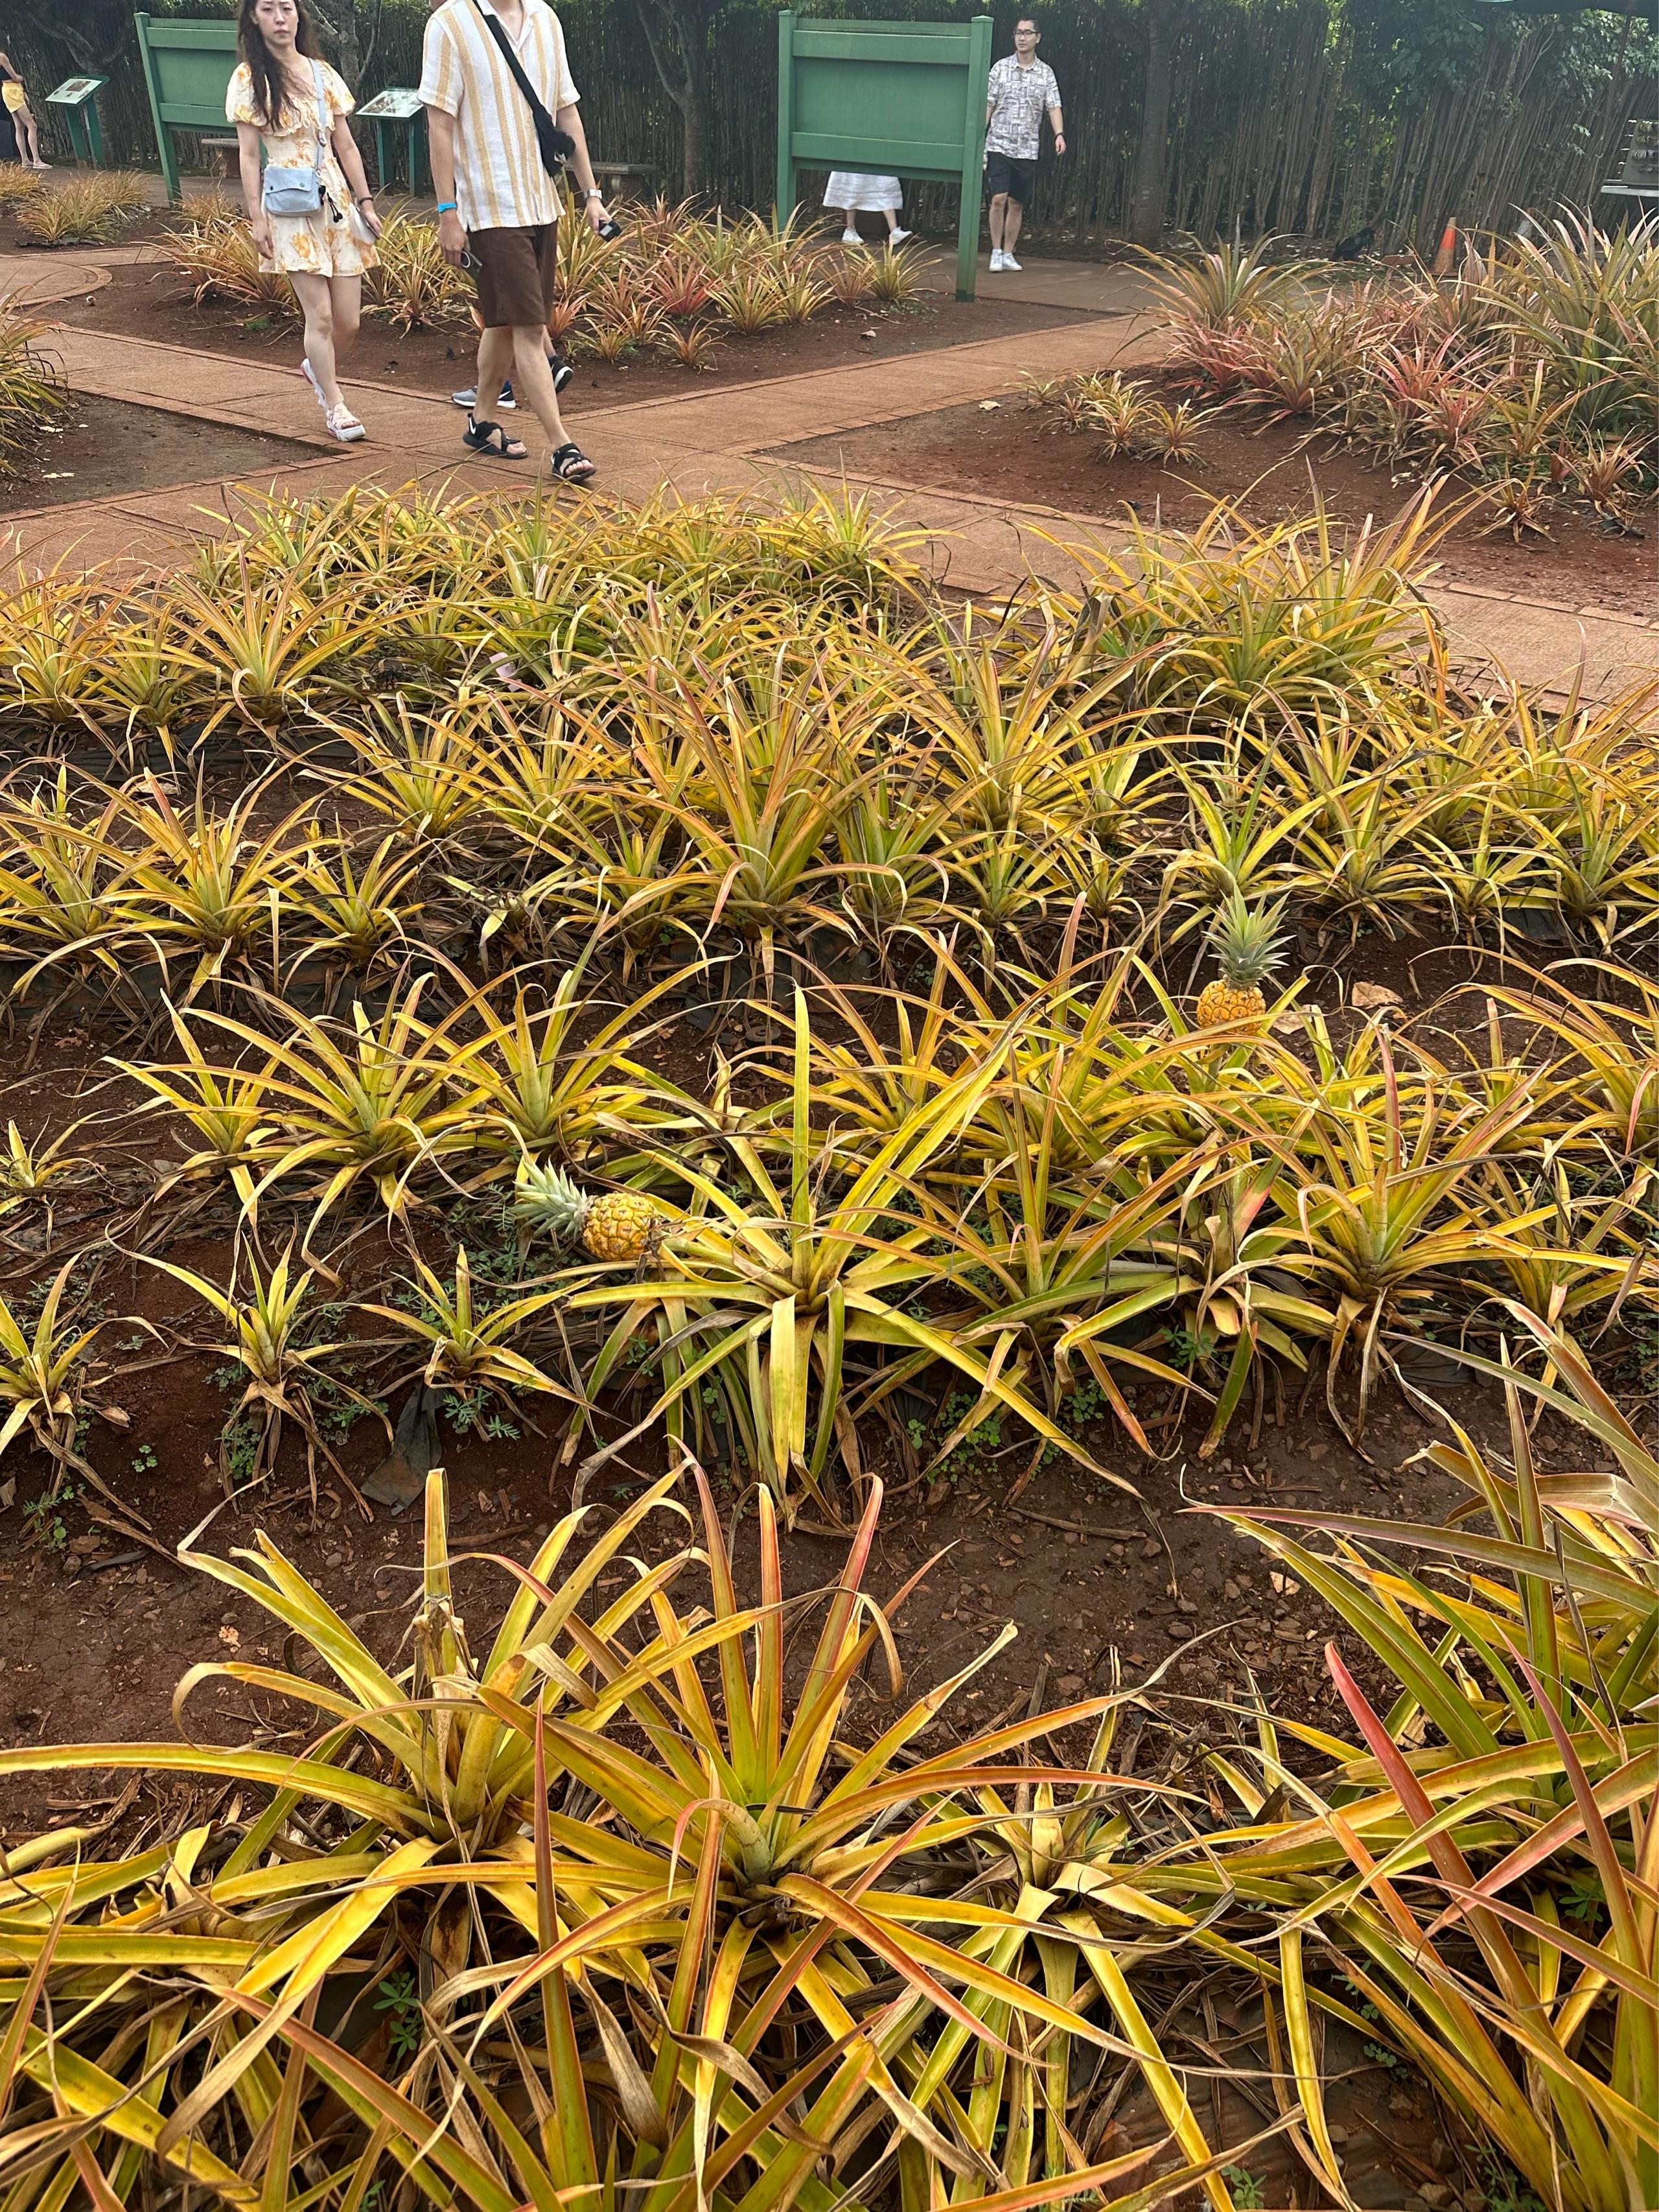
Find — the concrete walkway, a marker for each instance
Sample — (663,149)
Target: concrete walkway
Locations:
(40,280)
(729,440)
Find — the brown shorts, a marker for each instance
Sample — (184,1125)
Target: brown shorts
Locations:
(517,273)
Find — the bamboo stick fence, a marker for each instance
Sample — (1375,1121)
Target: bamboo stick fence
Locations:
(1291,115)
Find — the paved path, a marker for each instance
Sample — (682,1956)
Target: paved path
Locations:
(729,440)
(39,280)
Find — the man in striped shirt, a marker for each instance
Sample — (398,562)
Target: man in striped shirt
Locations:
(498,206)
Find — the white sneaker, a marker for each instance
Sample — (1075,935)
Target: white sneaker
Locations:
(1009,262)
(898,237)
(851,238)
(996,259)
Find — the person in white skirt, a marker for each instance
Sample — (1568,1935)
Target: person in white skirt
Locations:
(849,194)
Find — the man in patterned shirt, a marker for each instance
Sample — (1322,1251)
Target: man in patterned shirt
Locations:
(1020,89)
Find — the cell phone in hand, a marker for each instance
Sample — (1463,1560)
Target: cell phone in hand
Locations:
(611,227)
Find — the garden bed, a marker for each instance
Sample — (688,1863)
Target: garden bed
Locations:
(146,302)
(1014,452)
(1086,1570)
(663,971)
(106,448)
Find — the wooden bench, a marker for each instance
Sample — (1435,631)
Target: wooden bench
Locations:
(615,178)
(230,154)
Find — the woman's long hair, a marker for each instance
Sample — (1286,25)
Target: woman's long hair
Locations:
(269,93)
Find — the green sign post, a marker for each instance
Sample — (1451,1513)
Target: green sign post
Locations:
(397,109)
(77,101)
(187,67)
(892,99)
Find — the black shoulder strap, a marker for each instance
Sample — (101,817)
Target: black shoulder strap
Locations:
(543,121)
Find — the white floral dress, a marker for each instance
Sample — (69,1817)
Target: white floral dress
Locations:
(335,241)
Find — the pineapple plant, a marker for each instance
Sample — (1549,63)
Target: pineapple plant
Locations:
(1247,950)
(617,1225)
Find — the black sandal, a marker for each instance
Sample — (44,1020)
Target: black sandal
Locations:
(570,462)
(491,438)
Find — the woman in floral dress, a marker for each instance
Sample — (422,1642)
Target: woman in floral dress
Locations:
(273,101)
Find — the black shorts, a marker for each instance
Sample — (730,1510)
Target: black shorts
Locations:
(1011,174)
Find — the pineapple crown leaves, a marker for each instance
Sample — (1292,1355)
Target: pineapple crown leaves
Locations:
(548,1197)
(1246,940)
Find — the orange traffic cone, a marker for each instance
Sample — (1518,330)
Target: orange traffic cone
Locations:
(1444,258)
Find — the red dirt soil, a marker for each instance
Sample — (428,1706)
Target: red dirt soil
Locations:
(1016,453)
(109,448)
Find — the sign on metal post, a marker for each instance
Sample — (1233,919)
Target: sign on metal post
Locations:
(892,99)
(187,69)
(398,107)
(78,98)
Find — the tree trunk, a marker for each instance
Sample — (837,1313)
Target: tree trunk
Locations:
(694,107)
(347,44)
(1152,157)
(676,32)
(96,42)
(342,27)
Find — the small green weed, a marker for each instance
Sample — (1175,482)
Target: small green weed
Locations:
(1505,2191)
(1189,1350)
(239,1450)
(47,1526)
(1247,2191)
(399,2000)
(1584,1899)
(468,1410)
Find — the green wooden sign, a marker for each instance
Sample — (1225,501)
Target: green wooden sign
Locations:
(187,69)
(892,99)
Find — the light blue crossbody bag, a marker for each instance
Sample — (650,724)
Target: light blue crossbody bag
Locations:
(299,191)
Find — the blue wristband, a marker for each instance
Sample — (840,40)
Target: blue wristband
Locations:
(447,207)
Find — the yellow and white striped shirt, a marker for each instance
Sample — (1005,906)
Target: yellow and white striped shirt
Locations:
(500,182)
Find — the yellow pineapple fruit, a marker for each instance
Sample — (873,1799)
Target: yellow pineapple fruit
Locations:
(618,1224)
(1247,951)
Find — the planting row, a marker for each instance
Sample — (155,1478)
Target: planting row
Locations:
(599,1892)
(529,730)
(1533,371)
(1032,1200)
(671,279)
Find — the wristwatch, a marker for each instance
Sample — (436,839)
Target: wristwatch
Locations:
(592,193)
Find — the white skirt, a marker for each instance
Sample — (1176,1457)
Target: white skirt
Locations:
(863,195)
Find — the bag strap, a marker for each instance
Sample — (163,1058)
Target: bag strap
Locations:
(538,107)
(322,113)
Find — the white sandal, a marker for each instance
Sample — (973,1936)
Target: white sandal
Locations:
(344,425)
